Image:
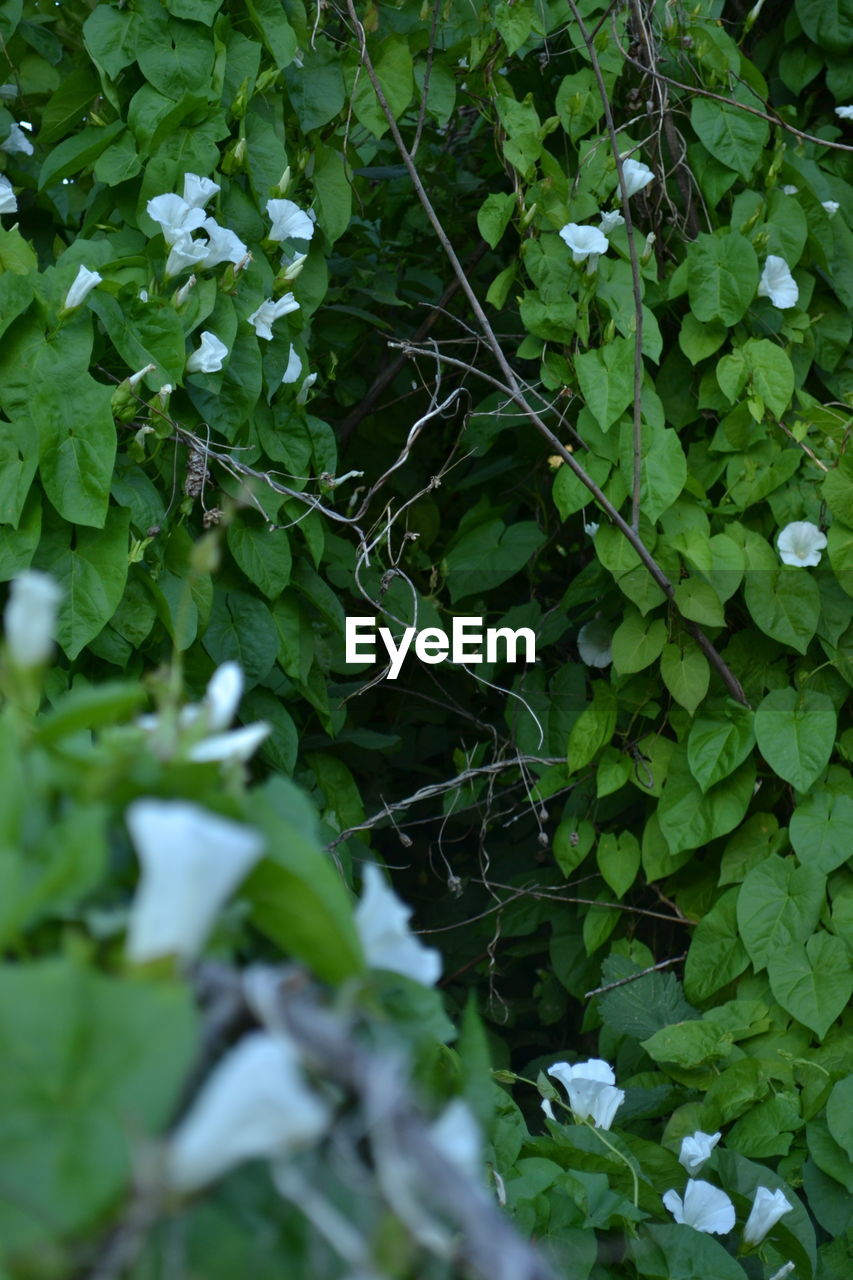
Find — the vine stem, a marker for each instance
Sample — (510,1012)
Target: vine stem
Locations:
(632,535)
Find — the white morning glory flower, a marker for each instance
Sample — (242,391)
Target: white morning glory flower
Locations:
(777,283)
(17,141)
(844,113)
(135,378)
(637,176)
(547,1107)
(789,189)
(591,1089)
(177,219)
(209,356)
(767,1208)
(289,222)
(294,266)
(268,312)
(8,200)
(831,207)
(457,1136)
(294,366)
(197,191)
(696,1149)
(584,241)
(590,529)
(254,1104)
(223,694)
(382,923)
(236,745)
(30,618)
(184,292)
(186,252)
(704,1207)
(800,543)
(783,1271)
(222,245)
(594,639)
(191,861)
(610,221)
(82,285)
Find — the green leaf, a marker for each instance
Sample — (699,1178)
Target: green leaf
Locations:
(489,554)
(837,490)
(643,1006)
(722,276)
(316,89)
(779,905)
(494,214)
(144,333)
(828,23)
(795,731)
(720,739)
(820,830)
(685,672)
(733,137)
(688,1044)
(785,603)
(663,467)
(77,444)
(196,10)
(606,379)
(262,554)
(771,373)
(697,340)
(793,1236)
(698,601)
(672,1252)
(18,462)
(571,494)
(333,189)
(578,103)
(814,982)
(90,707)
(839,1114)
(688,818)
(716,956)
(269,20)
(513,23)
(393,64)
(110,36)
(186,68)
(298,898)
(241,629)
(637,641)
(618,860)
(78,151)
(594,727)
(91,572)
(572,842)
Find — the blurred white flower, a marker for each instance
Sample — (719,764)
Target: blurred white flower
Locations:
(222,696)
(177,219)
(209,356)
(594,640)
(637,176)
(696,1149)
(845,113)
(197,191)
(289,222)
(253,1105)
(191,861)
(704,1207)
(294,366)
(30,618)
(17,141)
(268,312)
(767,1208)
(82,285)
(238,744)
(789,189)
(590,529)
(592,1091)
(777,283)
(800,543)
(458,1138)
(143,295)
(610,221)
(382,923)
(8,200)
(222,245)
(783,1271)
(185,252)
(831,207)
(584,241)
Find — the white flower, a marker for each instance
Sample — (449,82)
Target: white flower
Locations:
(268,312)
(704,1207)
(844,113)
(696,1149)
(457,1136)
(223,694)
(143,295)
(831,206)
(17,141)
(767,1208)
(294,366)
(302,394)
(191,861)
(209,356)
(637,176)
(30,618)
(294,266)
(222,245)
(177,219)
(783,1271)
(800,543)
(84,282)
(591,1089)
(8,201)
(546,1106)
(584,241)
(237,744)
(135,378)
(197,191)
(186,252)
(382,923)
(777,283)
(610,221)
(184,292)
(789,189)
(254,1104)
(289,222)
(594,643)
(590,529)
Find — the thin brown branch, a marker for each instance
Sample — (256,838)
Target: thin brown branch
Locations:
(632,977)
